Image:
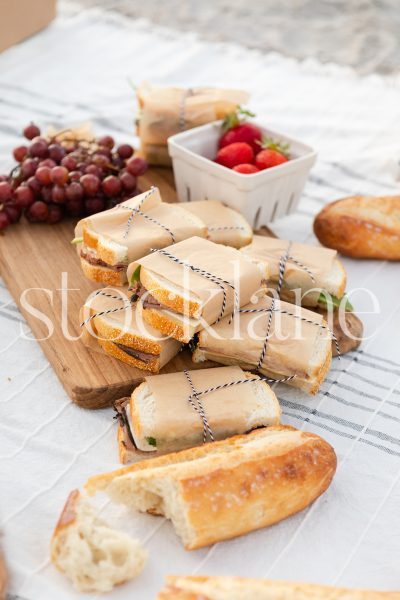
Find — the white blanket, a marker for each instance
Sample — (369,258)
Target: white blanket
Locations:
(78,70)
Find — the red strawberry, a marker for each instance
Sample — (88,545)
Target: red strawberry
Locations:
(236,130)
(246,169)
(235,154)
(269,158)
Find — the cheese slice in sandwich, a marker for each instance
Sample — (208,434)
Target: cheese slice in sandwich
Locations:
(112,323)
(227,488)
(312,270)
(224,225)
(192,284)
(108,241)
(163,415)
(194,587)
(299,343)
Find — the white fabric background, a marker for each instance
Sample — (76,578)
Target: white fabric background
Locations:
(78,70)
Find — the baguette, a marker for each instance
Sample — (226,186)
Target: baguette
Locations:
(228,488)
(91,554)
(361,227)
(243,588)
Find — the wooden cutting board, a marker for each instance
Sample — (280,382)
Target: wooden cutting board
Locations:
(36,256)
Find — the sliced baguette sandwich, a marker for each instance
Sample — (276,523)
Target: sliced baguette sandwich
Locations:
(312,270)
(91,554)
(299,343)
(227,488)
(224,225)
(108,241)
(162,415)
(189,285)
(112,323)
(243,588)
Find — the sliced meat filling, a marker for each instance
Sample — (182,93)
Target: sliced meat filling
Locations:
(148,301)
(145,357)
(92,259)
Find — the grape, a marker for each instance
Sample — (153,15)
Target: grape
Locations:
(59,175)
(111,186)
(4,178)
(94,205)
(55,214)
(128,181)
(56,152)
(35,185)
(4,220)
(74,191)
(58,194)
(118,162)
(6,191)
(13,212)
(70,147)
(31,131)
(20,153)
(93,170)
(43,175)
(39,148)
(75,175)
(37,212)
(74,207)
(125,151)
(28,167)
(137,166)
(106,141)
(46,194)
(100,160)
(69,162)
(23,196)
(104,151)
(47,162)
(90,184)
(81,166)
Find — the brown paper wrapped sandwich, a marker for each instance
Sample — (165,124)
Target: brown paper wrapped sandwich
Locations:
(246,588)
(278,339)
(228,488)
(313,270)
(164,111)
(112,323)
(192,284)
(94,556)
(171,412)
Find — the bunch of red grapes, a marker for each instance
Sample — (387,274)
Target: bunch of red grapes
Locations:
(59,177)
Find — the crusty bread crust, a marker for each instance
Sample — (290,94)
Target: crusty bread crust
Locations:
(167,325)
(193,587)
(89,237)
(103,275)
(112,350)
(173,301)
(110,332)
(361,227)
(67,518)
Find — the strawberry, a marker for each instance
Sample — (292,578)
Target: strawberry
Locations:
(237,130)
(235,154)
(246,169)
(272,155)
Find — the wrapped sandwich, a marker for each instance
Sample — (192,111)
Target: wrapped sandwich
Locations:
(171,412)
(164,111)
(188,286)
(314,271)
(227,488)
(112,324)
(278,339)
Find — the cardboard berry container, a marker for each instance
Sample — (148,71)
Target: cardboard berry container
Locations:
(261,197)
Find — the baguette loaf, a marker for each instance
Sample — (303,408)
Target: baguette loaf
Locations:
(228,488)
(89,552)
(361,227)
(242,588)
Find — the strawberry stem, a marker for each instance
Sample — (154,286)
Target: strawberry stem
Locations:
(270,144)
(233,119)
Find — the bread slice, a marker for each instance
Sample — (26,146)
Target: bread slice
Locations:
(91,554)
(224,489)
(156,429)
(245,588)
(224,225)
(104,275)
(361,226)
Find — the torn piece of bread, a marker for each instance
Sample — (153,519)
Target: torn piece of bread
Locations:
(91,554)
(361,226)
(246,588)
(224,225)
(228,488)
(162,416)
